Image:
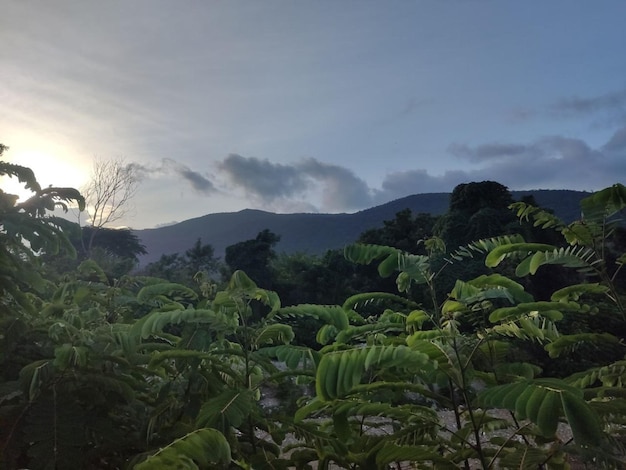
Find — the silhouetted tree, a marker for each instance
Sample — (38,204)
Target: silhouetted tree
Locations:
(182,268)
(477,210)
(403,232)
(108,194)
(253,257)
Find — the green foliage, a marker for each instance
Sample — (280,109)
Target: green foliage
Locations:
(200,449)
(26,230)
(405,232)
(340,371)
(329,314)
(184,269)
(477,210)
(543,401)
(472,371)
(139,372)
(254,256)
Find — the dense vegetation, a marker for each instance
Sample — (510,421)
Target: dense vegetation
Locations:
(429,344)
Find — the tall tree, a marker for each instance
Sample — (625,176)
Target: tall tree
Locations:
(405,232)
(477,210)
(183,268)
(109,194)
(254,256)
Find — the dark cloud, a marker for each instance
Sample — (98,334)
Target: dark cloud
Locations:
(554,162)
(263,179)
(574,106)
(196,180)
(521,114)
(605,110)
(403,183)
(487,151)
(341,188)
(274,183)
(617,141)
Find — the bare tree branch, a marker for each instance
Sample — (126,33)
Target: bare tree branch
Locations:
(109,192)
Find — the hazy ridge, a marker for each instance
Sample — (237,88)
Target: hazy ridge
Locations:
(315,233)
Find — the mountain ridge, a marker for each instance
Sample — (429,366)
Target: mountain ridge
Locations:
(315,233)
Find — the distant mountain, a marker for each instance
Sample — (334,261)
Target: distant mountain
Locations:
(316,233)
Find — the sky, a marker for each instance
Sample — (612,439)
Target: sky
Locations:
(313,106)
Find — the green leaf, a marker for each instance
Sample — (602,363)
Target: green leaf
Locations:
(357,301)
(498,254)
(604,203)
(535,400)
(202,449)
(294,357)
(584,422)
(551,310)
(154,322)
(275,333)
(513,371)
(567,343)
(229,408)
(576,291)
(165,292)
(330,314)
(340,371)
(365,254)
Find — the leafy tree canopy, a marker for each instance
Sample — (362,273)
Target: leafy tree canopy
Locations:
(182,268)
(405,232)
(254,256)
(477,210)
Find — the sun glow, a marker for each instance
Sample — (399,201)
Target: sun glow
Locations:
(52,165)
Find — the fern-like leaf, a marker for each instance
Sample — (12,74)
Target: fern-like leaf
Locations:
(229,408)
(361,253)
(329,314)
(499,253)
(543,402)
(200,449)
(154,322)
(483,246)
(276,333)
(567,343)
(157,294)
(357,301)
(340,371)
(576,291)
(539,217)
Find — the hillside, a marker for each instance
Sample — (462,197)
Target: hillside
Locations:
(316,233)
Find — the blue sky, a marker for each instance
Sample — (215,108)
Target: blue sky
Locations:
(318,106)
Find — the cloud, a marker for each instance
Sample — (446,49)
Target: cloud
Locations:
(198,182)
(555,162)
(576,106)
(167,166)
(341,188)
(617,141)
(606,110)
(403,183)
(552,162)
(521,114)
(487,151)
(274,183)
(263,179)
